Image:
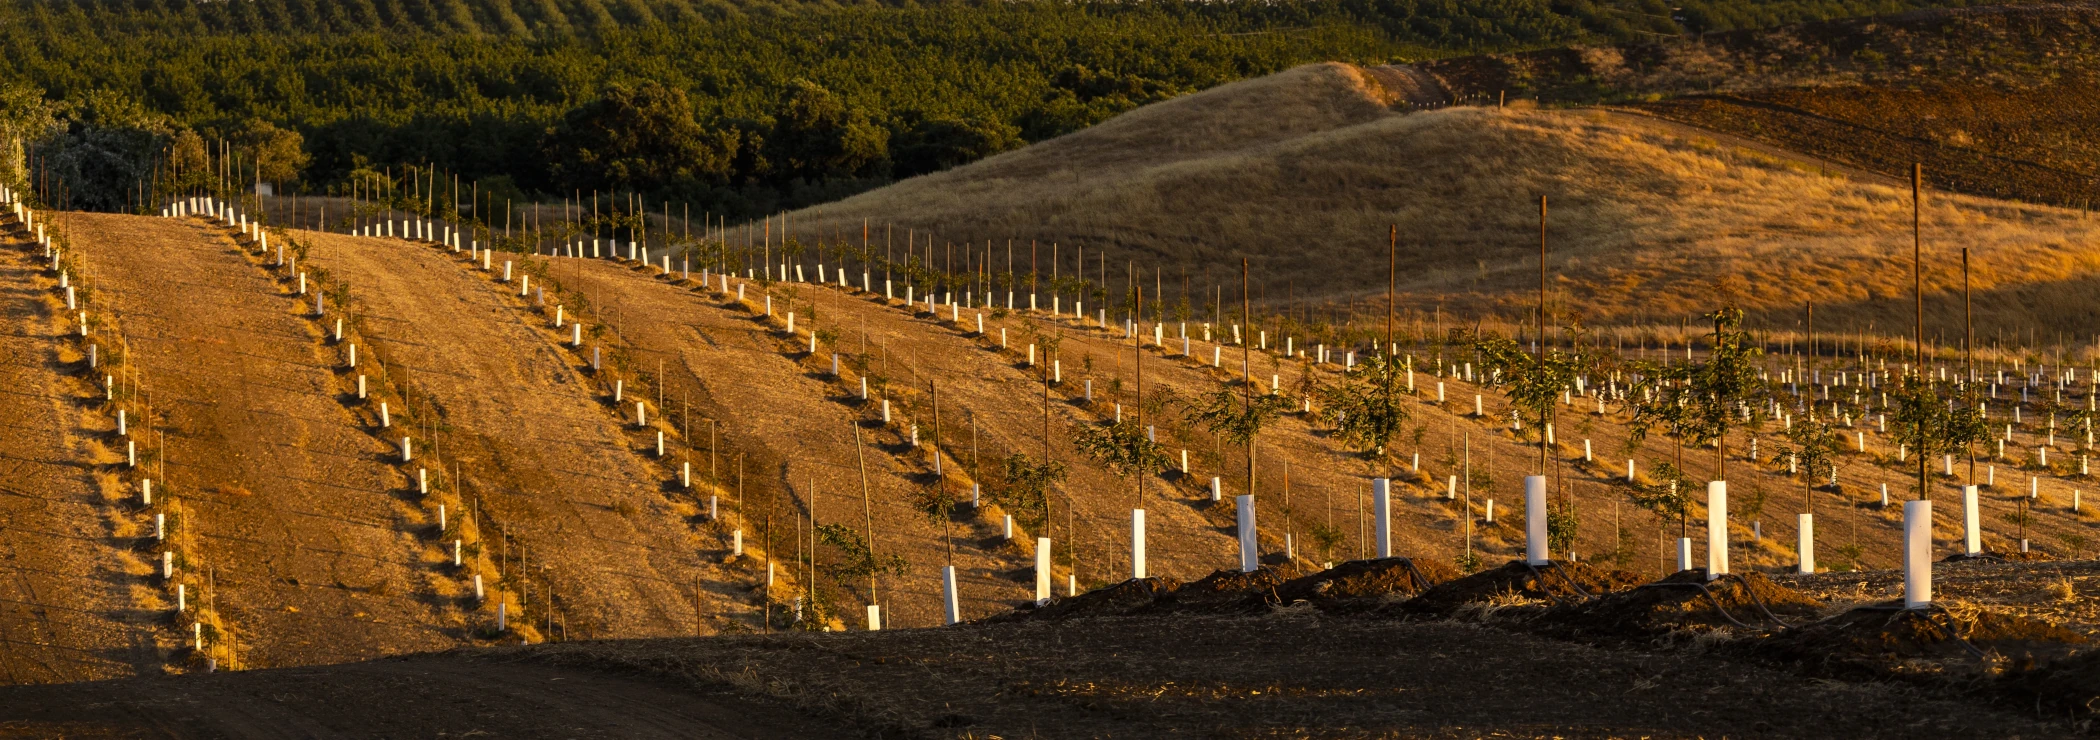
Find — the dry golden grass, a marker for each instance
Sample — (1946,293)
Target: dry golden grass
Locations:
(1301,172)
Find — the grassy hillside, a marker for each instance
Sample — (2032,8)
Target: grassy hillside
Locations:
(1995,101)
(1300,174)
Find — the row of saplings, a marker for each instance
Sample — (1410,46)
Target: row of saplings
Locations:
(1745,615)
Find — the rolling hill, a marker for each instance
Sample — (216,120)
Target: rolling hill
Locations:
(1301,174)
(609,449)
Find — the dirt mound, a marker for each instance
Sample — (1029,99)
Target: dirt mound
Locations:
(1109,601)
(1558,582)
(1687,600)
(1228,590)
(1366,579)
(1884,641)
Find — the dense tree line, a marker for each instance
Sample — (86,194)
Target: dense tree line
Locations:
(742,107)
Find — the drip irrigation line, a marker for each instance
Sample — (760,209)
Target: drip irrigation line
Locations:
(1709,597)
(1422,582)
(1754,599)
(1758,600)
(1570,580)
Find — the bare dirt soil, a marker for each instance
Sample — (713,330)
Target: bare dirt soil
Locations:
(2055,592)
(64,607)
(1186,538)
(1190,535)
(1294,673)
(803,420)
(535,444)
(309,556)
(460,694)
(795,427)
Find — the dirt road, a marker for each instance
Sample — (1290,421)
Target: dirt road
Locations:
(305,539)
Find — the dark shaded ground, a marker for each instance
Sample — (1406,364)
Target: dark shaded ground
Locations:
(457,694)
(1292,673)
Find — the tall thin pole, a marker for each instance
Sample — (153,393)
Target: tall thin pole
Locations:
(1968,350)
(1247,373)
(941,480)
(1917,284)
(1137,341)
(1540,351)
(1047,521)
(1392,280)
(867,511)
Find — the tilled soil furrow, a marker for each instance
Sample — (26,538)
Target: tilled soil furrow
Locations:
(255,438)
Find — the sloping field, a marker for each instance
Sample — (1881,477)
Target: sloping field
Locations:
(308,548)
(1005,397)
(2029,144)
(65,603)
(795,433)
(793,424)
(537,449)
(1647,221)
(1995,101)
(1328,488)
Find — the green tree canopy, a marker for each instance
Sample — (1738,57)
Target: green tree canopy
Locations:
(639,138)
